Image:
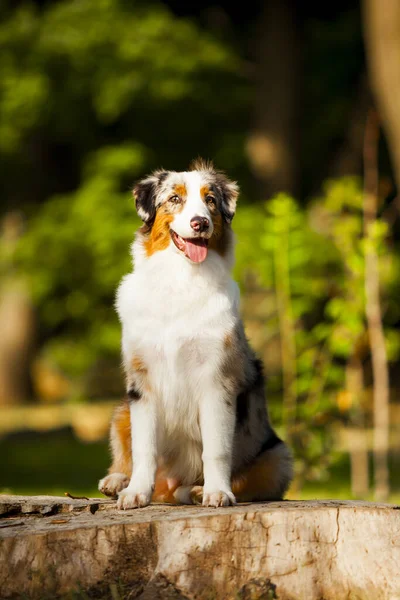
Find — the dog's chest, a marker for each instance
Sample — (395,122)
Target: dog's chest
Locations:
(183,346)
(180,335)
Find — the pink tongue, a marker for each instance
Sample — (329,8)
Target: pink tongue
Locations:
(196,250)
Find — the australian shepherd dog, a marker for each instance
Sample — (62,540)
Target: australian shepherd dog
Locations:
(194,428)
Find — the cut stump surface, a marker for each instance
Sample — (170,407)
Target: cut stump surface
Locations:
(53,547)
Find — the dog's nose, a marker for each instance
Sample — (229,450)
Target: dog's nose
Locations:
(199,224)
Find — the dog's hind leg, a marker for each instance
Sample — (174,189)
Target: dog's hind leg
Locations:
(267,478)
(189,494)
(120,471)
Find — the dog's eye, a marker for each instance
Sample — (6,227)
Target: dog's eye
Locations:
(210,200)
(175,199)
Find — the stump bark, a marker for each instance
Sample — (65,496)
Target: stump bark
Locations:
(53,547)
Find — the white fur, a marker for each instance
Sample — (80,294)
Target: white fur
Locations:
(113,483)
(175,315)
(194,207)
(144,449)
(217,422)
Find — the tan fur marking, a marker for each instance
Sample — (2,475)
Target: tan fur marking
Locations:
(261,480)
(234,365)
(196,494)
(204,190)
(121,441)
(228,341)
(140,374)
(138,365)
(163,491)
(180,190)
(220,238)
(159,236)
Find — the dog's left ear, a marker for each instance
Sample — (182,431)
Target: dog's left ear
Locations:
(229,192)
(145,192)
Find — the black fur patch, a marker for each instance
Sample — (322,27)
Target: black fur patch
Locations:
(243,399)
(242,408)
(259,380)
(162,176)
(223,193)
(134,394)
(145,196)
(271,441)
(144,193)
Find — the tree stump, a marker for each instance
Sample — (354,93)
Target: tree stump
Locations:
(53,547)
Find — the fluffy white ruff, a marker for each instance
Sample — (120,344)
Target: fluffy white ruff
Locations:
(175,316)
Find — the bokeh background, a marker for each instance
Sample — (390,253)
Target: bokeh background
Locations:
(297,101)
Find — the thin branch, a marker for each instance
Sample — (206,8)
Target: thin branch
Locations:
(287,332)
(374,312)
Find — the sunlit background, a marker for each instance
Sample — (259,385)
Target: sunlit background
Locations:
(297,101)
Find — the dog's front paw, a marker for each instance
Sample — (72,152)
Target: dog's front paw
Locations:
(131,498)
(112,484)
(218,498)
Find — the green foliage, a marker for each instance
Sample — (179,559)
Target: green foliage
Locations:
(341,212)
(79,76)
(75,251)
(295,262)
(313,263)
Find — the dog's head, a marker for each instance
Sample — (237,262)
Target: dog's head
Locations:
(191,209)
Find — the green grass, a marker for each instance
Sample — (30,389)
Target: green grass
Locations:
(337,485)
(58,462)
(51,463)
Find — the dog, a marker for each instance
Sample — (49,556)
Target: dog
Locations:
(194,427)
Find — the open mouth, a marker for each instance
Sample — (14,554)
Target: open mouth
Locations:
(194,248)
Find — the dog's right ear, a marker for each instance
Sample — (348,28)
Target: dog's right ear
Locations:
(145,194)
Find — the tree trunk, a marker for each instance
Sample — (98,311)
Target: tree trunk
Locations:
(358,446)
(374,314)
(382,38)
(17,327)
(271,146)
(16,317)
(349,157)
(61,548)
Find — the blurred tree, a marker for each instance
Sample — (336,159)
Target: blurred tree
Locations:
(73,282)
(77,76)
(272,145)
(304,63)
(338,215)
(373,235)
(382,37)
(17,320)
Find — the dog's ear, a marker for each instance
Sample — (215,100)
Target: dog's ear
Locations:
(228,193)
(145,193)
